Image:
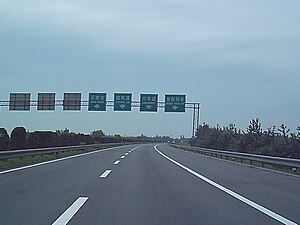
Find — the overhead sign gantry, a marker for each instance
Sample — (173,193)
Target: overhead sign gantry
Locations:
(173,103)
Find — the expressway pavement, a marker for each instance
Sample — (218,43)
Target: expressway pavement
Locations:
(147,184)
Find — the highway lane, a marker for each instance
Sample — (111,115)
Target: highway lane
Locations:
(144,188)
(276,191)
(39,195)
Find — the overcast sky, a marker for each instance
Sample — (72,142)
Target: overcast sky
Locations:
(239,59)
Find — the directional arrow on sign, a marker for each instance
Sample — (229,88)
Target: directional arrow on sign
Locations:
(175,103)
(97,102)
(148,106)
(122,101)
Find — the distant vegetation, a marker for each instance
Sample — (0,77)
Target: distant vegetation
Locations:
(22,139)
(273,141)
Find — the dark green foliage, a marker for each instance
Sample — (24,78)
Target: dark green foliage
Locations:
(42,139)
(219,138)
(45,139)
(97,133)
(4,139)
(254,135)
(254,140)
(18,138)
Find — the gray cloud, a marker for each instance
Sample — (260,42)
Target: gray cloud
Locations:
(235,57)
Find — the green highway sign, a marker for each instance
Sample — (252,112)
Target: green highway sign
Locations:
(148,102)
(97,102)
(175,103)
(122,102)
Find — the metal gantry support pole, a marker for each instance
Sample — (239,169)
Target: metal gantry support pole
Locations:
(196,119)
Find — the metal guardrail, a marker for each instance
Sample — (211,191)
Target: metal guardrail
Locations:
(288,162)
(42,151)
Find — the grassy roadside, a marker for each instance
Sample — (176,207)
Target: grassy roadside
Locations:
(268,166)
(29,160)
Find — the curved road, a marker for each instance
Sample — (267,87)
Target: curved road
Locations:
(147,184)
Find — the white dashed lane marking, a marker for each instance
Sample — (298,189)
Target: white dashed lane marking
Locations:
(70,212)
(105,174)
(117,162)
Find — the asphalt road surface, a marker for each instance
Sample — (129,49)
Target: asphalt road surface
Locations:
(147,184)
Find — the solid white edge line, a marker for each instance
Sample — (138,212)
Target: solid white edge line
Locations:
(232,193)
(70,212)
(105,174)
(57,160)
